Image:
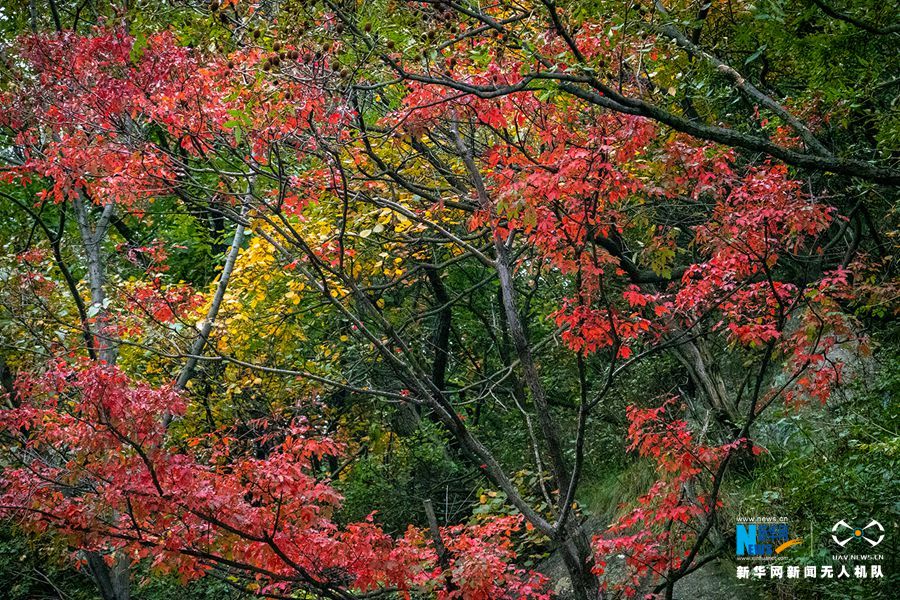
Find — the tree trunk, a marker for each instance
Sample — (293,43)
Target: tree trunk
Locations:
(578,558)
(92,238)
(113,581)
(701,367)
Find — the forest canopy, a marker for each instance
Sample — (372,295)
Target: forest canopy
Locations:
(522,299)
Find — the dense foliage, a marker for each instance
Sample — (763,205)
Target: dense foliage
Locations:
(329,299)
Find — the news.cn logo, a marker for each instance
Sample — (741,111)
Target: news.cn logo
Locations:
(759,539)
(868,533)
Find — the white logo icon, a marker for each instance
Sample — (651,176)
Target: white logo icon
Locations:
(839,527)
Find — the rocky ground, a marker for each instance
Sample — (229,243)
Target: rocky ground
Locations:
(715,581)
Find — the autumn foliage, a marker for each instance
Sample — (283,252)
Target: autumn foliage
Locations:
(211,504)
(313,202)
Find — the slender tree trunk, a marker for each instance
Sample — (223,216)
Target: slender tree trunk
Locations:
(113,581)
(519,339)
(441,338)
(32,14)
(206,328)
(92,237)
(575,549)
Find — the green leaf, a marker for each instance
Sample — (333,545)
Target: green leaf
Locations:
(755,55)
(137,49)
